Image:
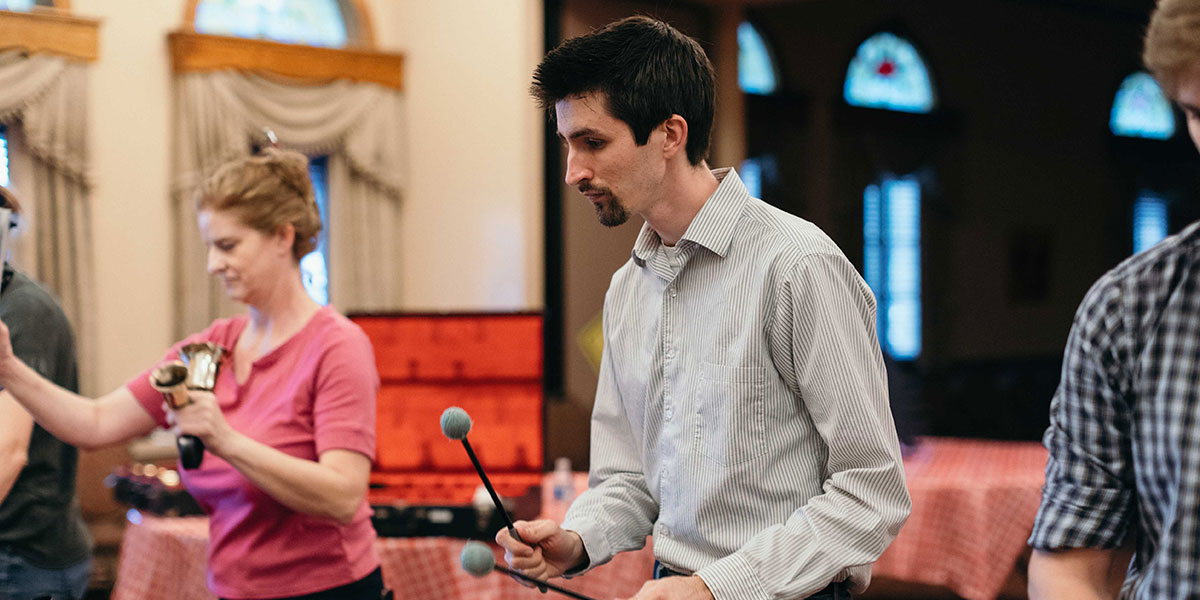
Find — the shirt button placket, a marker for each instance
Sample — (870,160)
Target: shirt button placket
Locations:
(668,354)
(667,370)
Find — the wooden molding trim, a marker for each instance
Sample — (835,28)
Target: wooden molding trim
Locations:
(201,52)
(51,31)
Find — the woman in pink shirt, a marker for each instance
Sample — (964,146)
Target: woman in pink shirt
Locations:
(289,428)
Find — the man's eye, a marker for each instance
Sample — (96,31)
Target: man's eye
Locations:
(595,144)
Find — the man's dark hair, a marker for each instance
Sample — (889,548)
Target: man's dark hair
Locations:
(647,71)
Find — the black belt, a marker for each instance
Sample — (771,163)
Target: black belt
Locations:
(836,589)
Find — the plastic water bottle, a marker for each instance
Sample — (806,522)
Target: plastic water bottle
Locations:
(564,487)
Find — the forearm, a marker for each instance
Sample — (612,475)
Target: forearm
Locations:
(14,442)
(11,463)
(67,415)
(1083,573)
(849,525)
(305,486)
(617,511)
(1050,588)
(618,501)
(614,516)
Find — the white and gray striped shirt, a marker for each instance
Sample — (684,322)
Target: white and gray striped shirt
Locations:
(742,413)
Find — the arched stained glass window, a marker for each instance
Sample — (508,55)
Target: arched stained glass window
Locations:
(756,67)
(24,5)
(892,262)
(1149,220)
(1141,109)
(888,73)
(310,22)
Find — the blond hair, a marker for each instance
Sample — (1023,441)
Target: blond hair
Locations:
(267,191)
(1172,50)
(9,200)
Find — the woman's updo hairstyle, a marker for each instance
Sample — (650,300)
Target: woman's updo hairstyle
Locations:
(266,191)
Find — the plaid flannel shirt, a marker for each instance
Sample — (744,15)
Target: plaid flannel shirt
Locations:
(1124,435)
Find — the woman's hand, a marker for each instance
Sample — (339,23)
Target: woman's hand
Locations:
(202,418)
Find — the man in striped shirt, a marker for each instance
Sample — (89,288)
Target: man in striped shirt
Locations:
(741,415)
(1124,467)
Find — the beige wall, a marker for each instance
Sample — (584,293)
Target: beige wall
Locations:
(473,212)
(129,150)
(473,226)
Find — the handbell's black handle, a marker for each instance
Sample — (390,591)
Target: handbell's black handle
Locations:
(191,451)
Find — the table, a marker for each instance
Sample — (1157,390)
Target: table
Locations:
(973,507)
(163,558)
(974,502)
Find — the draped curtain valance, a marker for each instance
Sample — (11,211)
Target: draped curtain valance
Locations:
(43,98)
(358,125)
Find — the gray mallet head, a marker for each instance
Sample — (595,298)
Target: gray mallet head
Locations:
(477,559)
(456,423)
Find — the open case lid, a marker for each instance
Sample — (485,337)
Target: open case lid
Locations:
(488,364)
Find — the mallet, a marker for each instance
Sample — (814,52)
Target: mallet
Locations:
(478,560)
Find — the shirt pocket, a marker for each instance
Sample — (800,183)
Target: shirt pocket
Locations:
(730,421)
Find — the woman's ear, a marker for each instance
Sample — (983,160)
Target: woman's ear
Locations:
(285,235)
(676,129)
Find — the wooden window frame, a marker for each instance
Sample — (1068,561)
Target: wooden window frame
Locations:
(52,31)
(198,52)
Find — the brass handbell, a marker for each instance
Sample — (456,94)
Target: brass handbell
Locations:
(196,370)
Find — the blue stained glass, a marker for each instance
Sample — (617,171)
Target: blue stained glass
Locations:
(1149,221)
(888,73)
(24,5)
(751,173)
(1141,109)
(873,241)
(313,267)
(892,262)
(17,5)
(311,22)
(4,180)
(756,68)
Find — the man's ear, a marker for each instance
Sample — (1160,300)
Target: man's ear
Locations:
(676,129)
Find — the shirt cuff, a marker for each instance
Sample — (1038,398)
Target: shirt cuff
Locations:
(1075,516)
(732,577)
(595,543)
(150,399)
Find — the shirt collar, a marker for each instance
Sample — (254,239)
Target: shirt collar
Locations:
(712,227)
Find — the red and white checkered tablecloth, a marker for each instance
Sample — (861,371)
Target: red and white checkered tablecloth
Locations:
(974,502)
(973,507)
(163,559)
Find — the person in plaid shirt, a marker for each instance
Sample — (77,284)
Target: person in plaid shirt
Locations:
(1124,468)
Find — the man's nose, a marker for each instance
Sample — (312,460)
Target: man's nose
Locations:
(577,169)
